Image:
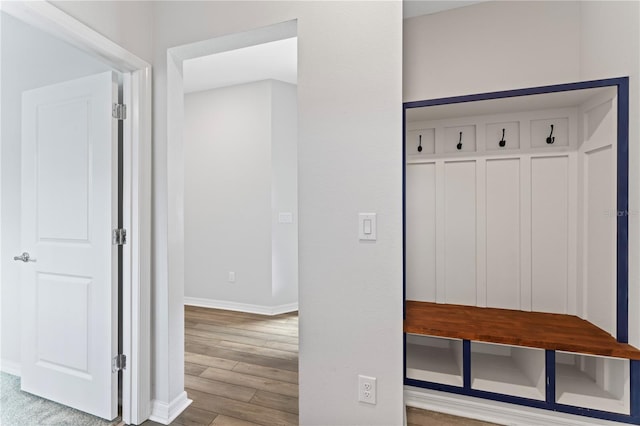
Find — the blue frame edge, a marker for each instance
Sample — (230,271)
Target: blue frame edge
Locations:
(533,403)
(622,263)
(634,379)
(550,375)
(404,213)
(466,364)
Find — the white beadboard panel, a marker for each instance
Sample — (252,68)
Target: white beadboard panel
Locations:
(600,125)
(503,233)
(525,231)
(572,236)
(460,232)
(441,289)
(421,232)
(600,240)
(481,232)
(549,234)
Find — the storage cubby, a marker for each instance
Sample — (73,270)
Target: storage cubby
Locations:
(598,383)
(434,359)
(509,370)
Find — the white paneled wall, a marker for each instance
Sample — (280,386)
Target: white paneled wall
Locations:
(421,241)
(528,225)
(599,212)
(466,232)
(549,233)
(503,233)
(459,232)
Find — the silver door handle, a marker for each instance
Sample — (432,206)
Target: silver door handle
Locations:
(25,257)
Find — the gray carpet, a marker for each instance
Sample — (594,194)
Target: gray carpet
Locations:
(19,408)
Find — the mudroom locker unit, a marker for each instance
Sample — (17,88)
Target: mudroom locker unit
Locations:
(516,248)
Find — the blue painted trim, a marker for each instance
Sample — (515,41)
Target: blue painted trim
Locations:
(587,412)
(622,264)
(517,92)
(404,213)
(634,373)
(477,393)
(404,355)
(466,364)
(550,373)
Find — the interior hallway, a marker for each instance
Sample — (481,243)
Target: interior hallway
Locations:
(242,369)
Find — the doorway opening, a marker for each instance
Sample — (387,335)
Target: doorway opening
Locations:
(238,125)
(240,179)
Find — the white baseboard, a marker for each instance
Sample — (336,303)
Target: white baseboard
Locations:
(10,367)
(164,413)
(492,411)
(241,307)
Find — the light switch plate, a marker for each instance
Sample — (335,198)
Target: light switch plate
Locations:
(285,217)
(367,227)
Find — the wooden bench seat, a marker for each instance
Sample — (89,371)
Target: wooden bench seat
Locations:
(533,329)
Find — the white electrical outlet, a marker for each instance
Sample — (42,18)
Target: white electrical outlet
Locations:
(232,277)
(367,389)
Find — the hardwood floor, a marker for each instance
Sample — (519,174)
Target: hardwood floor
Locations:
(418,417)
(242,370)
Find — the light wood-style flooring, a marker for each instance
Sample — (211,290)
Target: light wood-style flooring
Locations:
(242,370)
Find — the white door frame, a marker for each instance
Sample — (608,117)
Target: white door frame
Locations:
(175,186)
(136,327)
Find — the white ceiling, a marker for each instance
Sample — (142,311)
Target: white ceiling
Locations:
(412,8)
(276,60)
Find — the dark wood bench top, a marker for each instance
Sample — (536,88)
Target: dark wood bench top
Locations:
(533,329)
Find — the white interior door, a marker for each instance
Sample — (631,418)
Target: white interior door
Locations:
(69,208)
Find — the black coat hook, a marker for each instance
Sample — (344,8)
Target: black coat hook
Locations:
(419,143)
(502,142)
(551,139)
(459,146)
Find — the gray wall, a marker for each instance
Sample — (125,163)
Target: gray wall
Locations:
(349,161)
(284,198)
(240,172)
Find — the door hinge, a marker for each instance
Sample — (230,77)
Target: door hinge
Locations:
(119,111)
(119,237)
(118,363)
